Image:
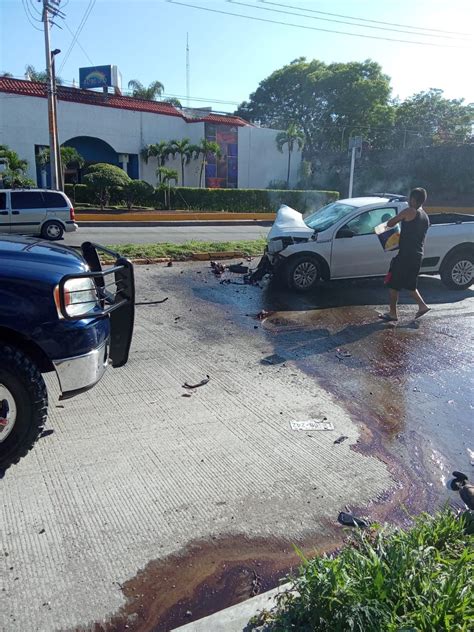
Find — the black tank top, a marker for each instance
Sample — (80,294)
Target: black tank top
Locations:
(413,233)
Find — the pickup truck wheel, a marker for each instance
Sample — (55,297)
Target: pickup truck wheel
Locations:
(52,230)
(457,272)
(302,273)
(23,405)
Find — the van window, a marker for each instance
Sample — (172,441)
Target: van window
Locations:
(3,201)
(27,199)
(54,200)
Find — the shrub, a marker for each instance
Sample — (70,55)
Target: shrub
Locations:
(418,579)
(102,177)
(137,192)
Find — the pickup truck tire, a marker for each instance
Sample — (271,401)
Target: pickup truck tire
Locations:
(52,230)
(457,272)
(23,386)
(302,273)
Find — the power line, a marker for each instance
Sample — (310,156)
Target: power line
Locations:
(82,23)
(29,16)
(79,44)
(312,28)
(351,17)
(313,17)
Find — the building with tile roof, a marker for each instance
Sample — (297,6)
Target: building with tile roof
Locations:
(110,127)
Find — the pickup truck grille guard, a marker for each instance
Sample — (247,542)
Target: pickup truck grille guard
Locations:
(116,296)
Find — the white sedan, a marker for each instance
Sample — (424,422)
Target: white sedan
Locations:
(338,242)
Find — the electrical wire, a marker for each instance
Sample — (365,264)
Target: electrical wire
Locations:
(79,44)
(82,23)
(312,28)
(29,16)
(351,17)
(364,26)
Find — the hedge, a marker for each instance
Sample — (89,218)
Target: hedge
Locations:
(230,200)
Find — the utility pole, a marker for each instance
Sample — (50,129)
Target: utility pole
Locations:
(351,176)
(59,166)
(54,156)
(187,69)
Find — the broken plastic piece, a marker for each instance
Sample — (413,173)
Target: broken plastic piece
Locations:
(201,383)
(348,520)
(238,268)
(341,439)
(311,424)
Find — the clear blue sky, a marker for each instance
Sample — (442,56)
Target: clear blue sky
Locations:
(231,55)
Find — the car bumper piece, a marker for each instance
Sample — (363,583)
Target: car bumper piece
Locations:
(80,373)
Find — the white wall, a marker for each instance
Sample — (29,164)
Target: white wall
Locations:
(260,161)
(24,124)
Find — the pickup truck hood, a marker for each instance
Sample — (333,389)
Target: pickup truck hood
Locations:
(42,260)
(289,223)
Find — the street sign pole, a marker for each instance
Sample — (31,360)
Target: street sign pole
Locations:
(351,177)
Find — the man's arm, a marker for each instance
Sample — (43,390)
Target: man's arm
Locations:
(407,213)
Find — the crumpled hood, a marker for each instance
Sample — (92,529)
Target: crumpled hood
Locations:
(289,223)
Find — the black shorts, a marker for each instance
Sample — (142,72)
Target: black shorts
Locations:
(404,271)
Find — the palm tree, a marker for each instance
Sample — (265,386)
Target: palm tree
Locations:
(186,151)
(139,91)
(161,151)
(69,157)
(165,176)
(6,75)
(293,137)
(39,75)
(205,148)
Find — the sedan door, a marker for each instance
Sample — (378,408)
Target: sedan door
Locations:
(356,249)
(27,212)
(4,213)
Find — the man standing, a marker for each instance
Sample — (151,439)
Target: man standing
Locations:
(405,267)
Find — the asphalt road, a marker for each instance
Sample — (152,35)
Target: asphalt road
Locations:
(173,234)
(144,504)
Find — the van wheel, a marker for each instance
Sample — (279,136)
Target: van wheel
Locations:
(457,272)
(52,230)
(23,405)
(302,273)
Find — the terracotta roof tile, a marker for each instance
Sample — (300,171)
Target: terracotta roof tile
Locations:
(88,97)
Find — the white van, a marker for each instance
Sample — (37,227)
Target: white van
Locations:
(36,212)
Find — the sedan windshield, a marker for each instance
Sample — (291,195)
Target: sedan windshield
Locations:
(328,216)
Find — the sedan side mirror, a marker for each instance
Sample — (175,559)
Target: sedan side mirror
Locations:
(344,233)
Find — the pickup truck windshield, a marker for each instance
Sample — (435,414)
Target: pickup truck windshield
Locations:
(327,216)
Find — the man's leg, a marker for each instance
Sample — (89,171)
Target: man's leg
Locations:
(422,306)
(393,303)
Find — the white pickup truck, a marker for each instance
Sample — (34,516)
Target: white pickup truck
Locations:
(338,242)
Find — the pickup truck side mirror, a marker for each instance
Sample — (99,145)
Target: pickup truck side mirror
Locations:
(344,233)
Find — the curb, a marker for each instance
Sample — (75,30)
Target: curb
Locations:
(196,256)
(130,224)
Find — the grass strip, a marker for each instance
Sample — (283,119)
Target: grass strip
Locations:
(419,579)
(181,252)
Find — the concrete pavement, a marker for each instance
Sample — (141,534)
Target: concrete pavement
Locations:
(146,509)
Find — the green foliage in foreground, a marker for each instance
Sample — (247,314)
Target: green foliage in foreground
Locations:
(421,579)
(186,250)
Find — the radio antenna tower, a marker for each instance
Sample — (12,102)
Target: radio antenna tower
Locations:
(187,69)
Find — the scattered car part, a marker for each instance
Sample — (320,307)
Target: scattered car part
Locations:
(201,383)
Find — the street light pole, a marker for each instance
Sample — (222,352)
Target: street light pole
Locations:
(351,176)
(53,150)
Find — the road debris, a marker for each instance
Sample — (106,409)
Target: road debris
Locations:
(163,300)
(169,264)
(238,268)
(263,314)
(201,383)
(341,439)
(217,268)
(187,395)
(256,586)
(273,359)
(348,520)
(312,424)
(342,353)
(46,433)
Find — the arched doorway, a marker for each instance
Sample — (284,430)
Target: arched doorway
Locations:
(92,150)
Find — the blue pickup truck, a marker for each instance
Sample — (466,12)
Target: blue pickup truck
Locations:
(61,311)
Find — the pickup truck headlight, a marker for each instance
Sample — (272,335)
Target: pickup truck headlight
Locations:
(80,297)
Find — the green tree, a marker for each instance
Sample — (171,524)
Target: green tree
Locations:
(39,75)
(149,93)
(328,102)
(205,149)
(186,152)
(70,157)
(6,75)
(14,176)
(137,192)
(161,151)
(166,176)
(294,138)
(173,101)
(102,178)
(428,118)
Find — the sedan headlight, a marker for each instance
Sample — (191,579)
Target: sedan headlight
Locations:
(79,297)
